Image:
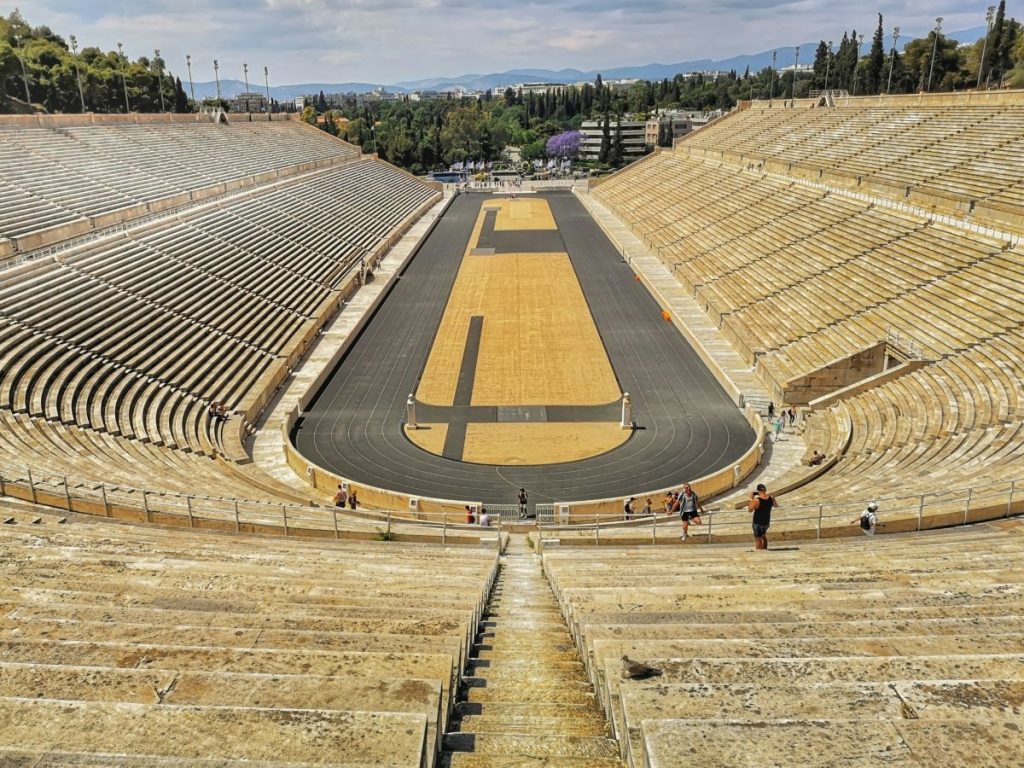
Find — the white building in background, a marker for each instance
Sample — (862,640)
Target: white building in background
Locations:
(249,102)
(300,103)
(634,137)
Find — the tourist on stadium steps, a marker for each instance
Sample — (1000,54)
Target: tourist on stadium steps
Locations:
(470,517)
(353,500)
(523,502)
(817,459)
(690,509)
(340,498)
(647,511)
(218,410)
(868,519)
(778,425)
(771,411)
(669,502)
(485,520)
(627,508)
(761,505)
(674,508)
(792,417)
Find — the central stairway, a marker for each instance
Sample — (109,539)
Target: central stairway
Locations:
(525,700)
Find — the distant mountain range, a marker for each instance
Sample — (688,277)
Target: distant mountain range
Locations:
(501,80)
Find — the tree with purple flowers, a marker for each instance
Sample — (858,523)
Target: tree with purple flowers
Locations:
(565,145)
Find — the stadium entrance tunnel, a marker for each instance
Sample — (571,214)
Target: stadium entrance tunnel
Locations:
(852,374)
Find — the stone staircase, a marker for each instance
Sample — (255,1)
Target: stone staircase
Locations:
(525,700)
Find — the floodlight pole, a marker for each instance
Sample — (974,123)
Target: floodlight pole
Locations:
(266,82)
(989,14)
(216,76)
(856,66)
(160,79)
(191,85)
(124,81)
(24,72)
(892,58)
(78,74)
(245,71)
(796,63)
(771,86)
(828,66)
(935,48)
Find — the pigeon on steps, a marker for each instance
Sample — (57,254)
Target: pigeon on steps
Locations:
(637,670)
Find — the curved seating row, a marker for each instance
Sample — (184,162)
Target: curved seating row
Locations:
(959,158)
(59,176)
(902,651)
(177,647)
(135,337)
(800,275)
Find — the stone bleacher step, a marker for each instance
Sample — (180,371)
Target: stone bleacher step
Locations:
(526,724)
(471,760)
(494,655)
(527,675)
(553,692)
(311,736)
(20,759)
(515,709)
(827,743)
(532,745)
(893,700)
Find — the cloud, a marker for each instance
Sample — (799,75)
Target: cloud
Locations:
(397,40)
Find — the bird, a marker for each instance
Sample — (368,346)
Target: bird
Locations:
(637,670)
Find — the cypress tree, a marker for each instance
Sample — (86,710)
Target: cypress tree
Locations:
(876,61)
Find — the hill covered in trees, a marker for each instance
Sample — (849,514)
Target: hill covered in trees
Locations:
(47,64)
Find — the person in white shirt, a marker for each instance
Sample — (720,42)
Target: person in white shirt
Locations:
(868,520)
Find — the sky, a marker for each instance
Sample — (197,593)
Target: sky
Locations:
(391,41)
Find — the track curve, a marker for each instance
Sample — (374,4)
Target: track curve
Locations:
(690,427)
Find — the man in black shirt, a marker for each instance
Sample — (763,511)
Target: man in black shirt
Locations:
(761,505)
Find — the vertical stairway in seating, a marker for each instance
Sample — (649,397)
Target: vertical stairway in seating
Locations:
(526,700)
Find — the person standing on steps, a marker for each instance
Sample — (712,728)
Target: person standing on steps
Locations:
(761,505)
(690,509)
(627,508)
(771,410)
(868,519)
(341,497)
(353,500)
(524,501)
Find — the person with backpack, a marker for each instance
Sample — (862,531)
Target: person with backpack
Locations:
(868,519)
(690,509)
(627,508)
(760,506)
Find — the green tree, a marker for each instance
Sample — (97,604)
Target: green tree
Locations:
(873,82)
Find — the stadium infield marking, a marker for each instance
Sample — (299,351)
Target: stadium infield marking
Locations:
(520,321)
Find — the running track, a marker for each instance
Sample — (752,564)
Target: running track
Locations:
(690,427)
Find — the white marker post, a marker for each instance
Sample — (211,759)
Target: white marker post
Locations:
(627,413)
(410,413)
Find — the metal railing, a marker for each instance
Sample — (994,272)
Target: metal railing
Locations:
(912,512)
(236,514)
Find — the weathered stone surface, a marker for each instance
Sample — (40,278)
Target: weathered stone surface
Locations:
(201,732)
(805,743)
